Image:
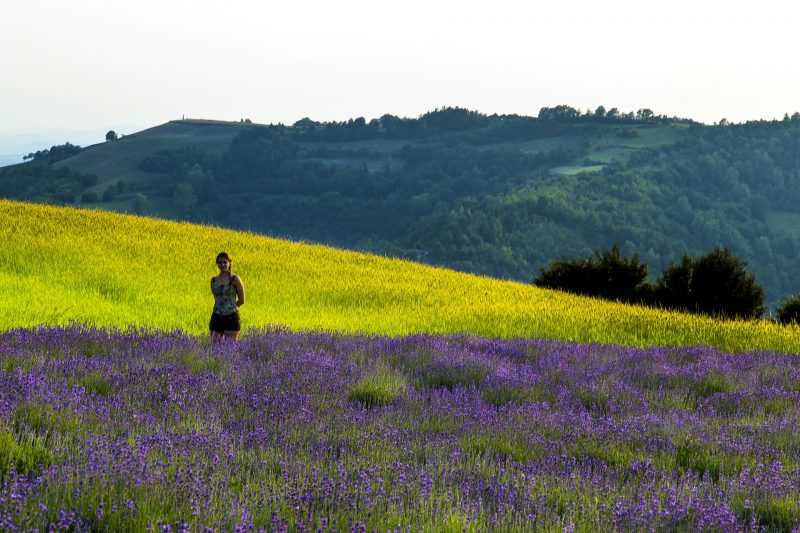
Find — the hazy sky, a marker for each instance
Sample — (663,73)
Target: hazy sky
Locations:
(91,65)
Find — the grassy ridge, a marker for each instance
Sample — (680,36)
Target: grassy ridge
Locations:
(59,265)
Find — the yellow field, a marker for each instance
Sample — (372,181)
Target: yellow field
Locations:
(59,265)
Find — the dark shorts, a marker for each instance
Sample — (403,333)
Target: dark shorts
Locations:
(220,323)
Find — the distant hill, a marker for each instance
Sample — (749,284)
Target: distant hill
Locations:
(501,195)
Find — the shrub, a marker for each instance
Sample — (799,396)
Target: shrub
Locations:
(448,377)
(715,284)
(607,275)
(95,383)
(721,286)
(789,310)
(381,387)
(713,383)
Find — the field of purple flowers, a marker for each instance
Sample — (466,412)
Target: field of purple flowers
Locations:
(285,431)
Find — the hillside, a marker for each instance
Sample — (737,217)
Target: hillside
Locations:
(59,265)
(495,195)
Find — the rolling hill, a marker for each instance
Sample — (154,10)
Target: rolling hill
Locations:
(60,265)
(496,195)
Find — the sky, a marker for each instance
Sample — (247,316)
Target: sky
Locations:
(69,71)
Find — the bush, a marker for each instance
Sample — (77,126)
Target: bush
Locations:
(789,310)
(381,387)
(448,377)
(607,275)
(716,284)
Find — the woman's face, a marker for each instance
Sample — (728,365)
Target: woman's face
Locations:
(223,264)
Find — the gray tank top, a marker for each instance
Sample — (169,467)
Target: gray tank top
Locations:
(224,297)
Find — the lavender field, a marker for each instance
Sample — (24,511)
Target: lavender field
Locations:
(139,430)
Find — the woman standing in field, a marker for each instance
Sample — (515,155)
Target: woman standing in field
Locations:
(225,287)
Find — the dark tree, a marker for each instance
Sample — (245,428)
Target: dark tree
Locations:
(54,153)
(607,275)
(722,286)
(672,289)
(789,310)
(111,135)
(716,284)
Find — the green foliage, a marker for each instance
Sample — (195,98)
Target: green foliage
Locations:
(789,310)
(54,153)
(708,460)
(95,383)
(713,383)
(499,446)
(501,394)
(41,180)
(597,400)
(607,274)
(773,513)
(196,363)
(381,387)
(716,284)
(25,453)
(89,198)
(614,454)
(140,204)
(448,377)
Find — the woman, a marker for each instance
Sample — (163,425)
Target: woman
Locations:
(225,287)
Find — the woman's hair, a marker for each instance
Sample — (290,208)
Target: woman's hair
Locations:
(224,255)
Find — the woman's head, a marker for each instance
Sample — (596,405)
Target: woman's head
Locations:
(224,262)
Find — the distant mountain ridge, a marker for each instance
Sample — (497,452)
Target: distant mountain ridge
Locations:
(501,195)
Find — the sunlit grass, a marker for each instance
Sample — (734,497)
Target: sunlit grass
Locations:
(59,265)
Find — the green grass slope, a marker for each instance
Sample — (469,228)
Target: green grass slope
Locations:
(59,265)
(119,160)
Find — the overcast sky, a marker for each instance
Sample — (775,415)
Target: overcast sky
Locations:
(92,65)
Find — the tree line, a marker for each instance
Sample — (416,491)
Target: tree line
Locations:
(716,284)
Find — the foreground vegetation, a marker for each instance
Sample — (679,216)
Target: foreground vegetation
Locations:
(134,431)
(59,265)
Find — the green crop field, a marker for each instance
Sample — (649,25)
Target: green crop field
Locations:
(60,265)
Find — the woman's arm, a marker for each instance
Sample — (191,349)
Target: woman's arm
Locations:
(237,284)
